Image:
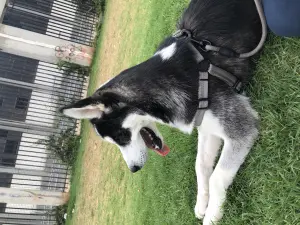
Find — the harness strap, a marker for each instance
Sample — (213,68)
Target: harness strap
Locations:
(202,97)
(228,78)
(221,74)
(225,76)
(213,70)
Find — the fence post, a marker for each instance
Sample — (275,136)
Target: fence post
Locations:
(25,222)
(42,47)
(2,9)
(32,197)
(27,172)
(25,216)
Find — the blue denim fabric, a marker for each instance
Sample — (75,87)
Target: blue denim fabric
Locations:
(283,16)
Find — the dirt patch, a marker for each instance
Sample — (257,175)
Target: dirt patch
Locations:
(116,32)
(92,198)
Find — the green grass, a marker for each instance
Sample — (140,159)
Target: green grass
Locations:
(266,189)
(76,172)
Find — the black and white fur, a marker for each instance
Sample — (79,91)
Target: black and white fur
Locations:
(164,89)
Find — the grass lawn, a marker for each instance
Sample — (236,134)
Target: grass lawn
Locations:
(267,188)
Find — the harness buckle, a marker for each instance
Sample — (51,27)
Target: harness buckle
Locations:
(202,44)
(237,86)
(204,65)
(203,103)
(188,34)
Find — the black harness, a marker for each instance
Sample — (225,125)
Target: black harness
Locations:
(207,69)
(210,69)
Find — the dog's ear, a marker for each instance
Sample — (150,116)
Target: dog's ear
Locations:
(86,108)
(92,107)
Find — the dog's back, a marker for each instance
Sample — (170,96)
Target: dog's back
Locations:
(233,24)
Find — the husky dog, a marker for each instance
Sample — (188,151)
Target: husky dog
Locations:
(164,89)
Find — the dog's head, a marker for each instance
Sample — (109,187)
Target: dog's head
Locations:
(124,110)
(128,127)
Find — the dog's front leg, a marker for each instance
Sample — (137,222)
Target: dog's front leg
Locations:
(232,157)
(208,146)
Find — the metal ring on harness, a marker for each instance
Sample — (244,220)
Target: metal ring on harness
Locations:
(182,33)
(202,44)
(188,34)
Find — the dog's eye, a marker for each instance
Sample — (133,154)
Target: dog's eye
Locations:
(123,137)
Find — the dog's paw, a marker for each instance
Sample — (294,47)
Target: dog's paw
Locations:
(212,216)
(200,208)
(210,221)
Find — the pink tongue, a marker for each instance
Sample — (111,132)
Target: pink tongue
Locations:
(164,151)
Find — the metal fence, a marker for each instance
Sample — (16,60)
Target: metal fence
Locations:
(31,92)
(26,163)
(63,19)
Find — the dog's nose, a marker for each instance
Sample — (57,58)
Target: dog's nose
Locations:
(135,169)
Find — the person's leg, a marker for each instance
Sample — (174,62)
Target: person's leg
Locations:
(283,16)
